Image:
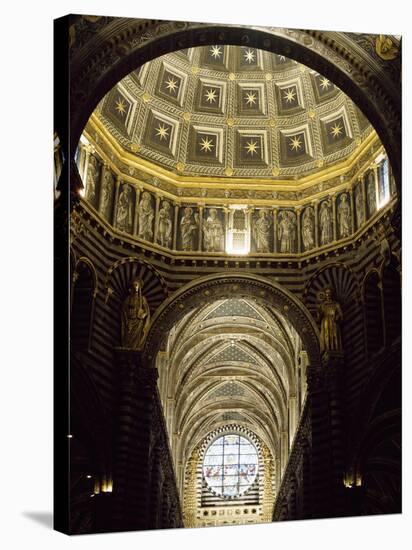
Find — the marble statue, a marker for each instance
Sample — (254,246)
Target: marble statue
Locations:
(360,207)
(106,191)
(188,228)
(261,231)
(308,228)
(371,197)
(213,232)
(330,314)
(325,223)
(124,215)
(287,231)
(146,215)
(91,178)
(344,218)
(135,317)
(164,235)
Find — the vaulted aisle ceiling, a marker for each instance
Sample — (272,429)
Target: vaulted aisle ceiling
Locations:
(232,361)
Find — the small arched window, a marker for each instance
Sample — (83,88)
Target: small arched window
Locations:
(383,179)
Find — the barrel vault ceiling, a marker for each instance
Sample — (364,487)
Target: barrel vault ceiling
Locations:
(231,360)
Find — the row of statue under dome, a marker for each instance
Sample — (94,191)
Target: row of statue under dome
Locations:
(236,228)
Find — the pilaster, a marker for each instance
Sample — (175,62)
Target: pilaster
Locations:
(200,239)
(316,214)
(116,200)
(175,225)
(135,433)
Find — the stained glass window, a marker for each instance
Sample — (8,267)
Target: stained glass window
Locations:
(230,465)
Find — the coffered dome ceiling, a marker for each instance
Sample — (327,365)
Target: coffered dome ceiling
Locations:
(220,111)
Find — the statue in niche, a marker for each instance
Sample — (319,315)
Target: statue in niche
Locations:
(146,215)
(124,215)
(308,228)
(287,231)
(360,207)
(330,314)
(371,197)
(325,223)
(188,228)
(106,191)
(261,231)
(91,178)
(213,232)
(135,317)
(344,216)
(165,225)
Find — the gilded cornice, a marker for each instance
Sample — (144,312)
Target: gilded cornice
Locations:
(260,191)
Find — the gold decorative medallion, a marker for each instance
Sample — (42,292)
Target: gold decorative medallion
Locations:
(232,76)
(386,48)
(187,116)
(229,171)
(146,97)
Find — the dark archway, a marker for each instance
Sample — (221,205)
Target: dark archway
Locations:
(104,50)
(212,287)
(392,302)
(378,461)
(83,304)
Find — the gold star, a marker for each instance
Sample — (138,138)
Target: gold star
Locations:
(336,130)
(171,85)
(324,83)
(250,98)
(206,145)
(289,95)
(120,106)
(211,95)
(251,147)
(249,56)
(295,143)
(162,132)
(215,52)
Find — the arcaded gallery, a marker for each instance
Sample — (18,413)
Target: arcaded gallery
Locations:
(235,274)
